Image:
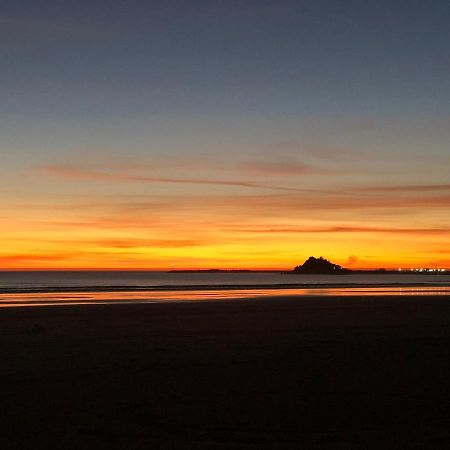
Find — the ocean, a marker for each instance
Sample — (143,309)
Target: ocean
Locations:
(82,287)
(41,281)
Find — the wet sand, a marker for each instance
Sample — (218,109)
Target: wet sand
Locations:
(272,373)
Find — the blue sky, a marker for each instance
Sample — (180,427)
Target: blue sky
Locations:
(248,58)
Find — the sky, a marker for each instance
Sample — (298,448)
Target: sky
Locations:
(224,134)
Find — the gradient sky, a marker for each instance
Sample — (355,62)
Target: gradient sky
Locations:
(197,134)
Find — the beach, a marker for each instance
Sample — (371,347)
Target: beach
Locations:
(260,373)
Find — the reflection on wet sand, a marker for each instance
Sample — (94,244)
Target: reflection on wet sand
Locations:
(91,298)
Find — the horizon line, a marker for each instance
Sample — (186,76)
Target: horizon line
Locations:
(398,268)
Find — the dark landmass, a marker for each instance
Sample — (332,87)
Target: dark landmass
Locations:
(275,373)
(320,266)
(215,270)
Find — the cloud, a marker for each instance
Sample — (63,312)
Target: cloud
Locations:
(289,203)
(149,243)
(344,229)
(352,259)
(445,251)
(409,188)
(34,257)
(317,151)
(286,168)
(82,174)
(117,243)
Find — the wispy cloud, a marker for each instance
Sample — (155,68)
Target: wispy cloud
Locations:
(314,150)
(285,204)
(283,168)
(145,243)
(82,174)
(409,188)
(34,257)
(119,243)
(345,229)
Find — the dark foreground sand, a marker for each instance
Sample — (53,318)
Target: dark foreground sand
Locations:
(275,373)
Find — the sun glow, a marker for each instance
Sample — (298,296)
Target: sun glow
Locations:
(53,239)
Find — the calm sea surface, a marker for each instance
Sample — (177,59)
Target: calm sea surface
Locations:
(40,281)
(56,288)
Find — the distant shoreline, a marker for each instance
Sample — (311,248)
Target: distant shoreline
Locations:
(299,272)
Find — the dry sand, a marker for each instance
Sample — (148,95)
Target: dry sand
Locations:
(278,373)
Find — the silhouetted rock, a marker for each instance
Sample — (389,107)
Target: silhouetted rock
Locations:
(320,265)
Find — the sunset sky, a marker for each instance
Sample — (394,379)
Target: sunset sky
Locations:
(228,134)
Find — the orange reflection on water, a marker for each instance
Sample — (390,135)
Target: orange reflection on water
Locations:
(96,298)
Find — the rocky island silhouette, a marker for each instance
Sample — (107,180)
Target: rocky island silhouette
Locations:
(320,266)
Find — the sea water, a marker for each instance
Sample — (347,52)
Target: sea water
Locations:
(36,281)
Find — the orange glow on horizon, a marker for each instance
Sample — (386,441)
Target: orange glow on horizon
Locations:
(211,248)
(229,225)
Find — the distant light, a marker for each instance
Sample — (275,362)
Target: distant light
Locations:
(399,270)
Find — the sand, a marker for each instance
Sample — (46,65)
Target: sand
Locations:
(274,373)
